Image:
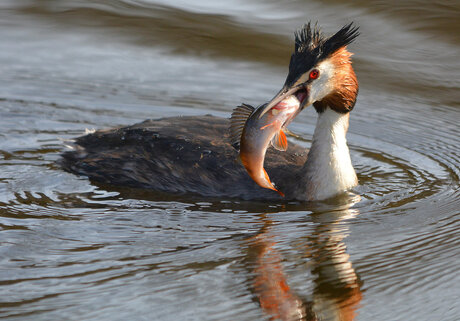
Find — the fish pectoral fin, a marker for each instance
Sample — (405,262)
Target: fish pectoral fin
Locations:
(279,141)
(237,121)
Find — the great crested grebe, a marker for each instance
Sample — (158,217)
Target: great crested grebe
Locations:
(195,155)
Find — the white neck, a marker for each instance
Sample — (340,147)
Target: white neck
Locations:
(328,169)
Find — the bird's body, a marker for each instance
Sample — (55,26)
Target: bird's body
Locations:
(179,155)
(195,155)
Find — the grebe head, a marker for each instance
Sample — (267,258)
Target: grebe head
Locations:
(320,71)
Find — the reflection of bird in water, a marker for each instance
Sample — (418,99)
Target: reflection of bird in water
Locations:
(193,154)
(336,294)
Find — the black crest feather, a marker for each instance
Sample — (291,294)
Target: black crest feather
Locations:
(308,38)
(343,37)
(311,47)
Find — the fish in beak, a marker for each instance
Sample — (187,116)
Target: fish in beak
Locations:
(254,132)
(300,92)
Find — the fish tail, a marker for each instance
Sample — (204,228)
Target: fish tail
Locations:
(267,178)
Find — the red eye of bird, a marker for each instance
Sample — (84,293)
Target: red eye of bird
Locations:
(314,74)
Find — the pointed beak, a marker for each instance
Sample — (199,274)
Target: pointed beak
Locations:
(284,93)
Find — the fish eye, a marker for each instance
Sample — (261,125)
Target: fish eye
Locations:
(314,74)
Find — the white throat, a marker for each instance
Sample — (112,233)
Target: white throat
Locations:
(328,169)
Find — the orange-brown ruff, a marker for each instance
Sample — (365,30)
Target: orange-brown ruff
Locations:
(343,98)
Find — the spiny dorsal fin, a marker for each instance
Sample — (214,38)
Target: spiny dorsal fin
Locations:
(279,141)
(237,121)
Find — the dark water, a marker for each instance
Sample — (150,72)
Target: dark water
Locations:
(72,250)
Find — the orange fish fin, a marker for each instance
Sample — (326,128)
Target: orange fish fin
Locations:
(263,127)
(272,187)
(237,121)
(279,141)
